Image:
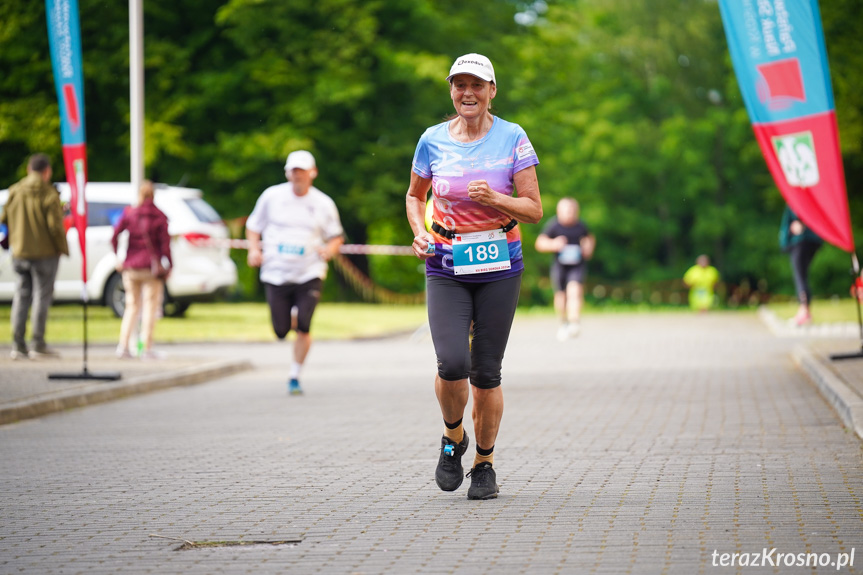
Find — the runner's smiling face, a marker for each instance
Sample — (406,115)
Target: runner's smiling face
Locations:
(470,95)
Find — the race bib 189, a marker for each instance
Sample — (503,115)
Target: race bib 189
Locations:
(480,252)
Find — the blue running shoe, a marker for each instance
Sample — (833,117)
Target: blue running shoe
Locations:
(294,387)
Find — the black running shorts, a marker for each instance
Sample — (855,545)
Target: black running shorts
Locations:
(283,298)
(562,275)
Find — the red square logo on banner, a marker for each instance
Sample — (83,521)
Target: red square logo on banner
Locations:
(781,83)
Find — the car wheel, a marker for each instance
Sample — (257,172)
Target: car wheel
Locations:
(115,298)
(115,295)
(175,308)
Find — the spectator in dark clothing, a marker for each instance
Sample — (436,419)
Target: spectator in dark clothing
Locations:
(801,244)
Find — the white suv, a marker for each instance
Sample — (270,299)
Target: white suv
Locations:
(200,272)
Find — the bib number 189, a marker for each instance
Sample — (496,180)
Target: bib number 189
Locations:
(480,252)
(483,253)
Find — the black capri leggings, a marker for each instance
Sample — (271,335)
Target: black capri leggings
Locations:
(452,305)
(801,256)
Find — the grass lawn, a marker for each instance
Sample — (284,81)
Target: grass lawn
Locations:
(251,321)
(227,322)
(823,310)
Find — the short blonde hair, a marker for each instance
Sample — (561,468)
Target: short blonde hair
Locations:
(146,191)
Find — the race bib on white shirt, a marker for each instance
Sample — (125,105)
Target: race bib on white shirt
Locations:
(290,243)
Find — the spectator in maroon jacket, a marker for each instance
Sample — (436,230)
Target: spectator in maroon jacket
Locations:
(145,269)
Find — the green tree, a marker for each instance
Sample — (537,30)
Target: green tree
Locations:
(635,111)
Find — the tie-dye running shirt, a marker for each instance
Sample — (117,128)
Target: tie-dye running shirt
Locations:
(451,164)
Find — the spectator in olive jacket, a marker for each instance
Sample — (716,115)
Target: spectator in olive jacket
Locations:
(37,238)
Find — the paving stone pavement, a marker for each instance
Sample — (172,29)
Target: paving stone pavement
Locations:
(644,446)
(35,388)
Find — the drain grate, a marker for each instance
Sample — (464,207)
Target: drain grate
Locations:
(187,545)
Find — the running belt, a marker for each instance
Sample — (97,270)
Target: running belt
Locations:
(450,234)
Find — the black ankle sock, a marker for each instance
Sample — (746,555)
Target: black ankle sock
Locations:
(483,456)
(454,431)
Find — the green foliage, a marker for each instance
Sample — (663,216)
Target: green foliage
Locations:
(230,322)
(399,274)
(641,120)
(28,108)
(632,107)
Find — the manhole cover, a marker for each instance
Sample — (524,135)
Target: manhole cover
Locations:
(187,544)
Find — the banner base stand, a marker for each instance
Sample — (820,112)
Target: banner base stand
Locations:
(102,376)
(86,374)
(858,284)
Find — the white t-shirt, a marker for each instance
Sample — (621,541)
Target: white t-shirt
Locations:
(292,229)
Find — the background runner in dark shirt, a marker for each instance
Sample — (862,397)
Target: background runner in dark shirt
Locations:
(566,236)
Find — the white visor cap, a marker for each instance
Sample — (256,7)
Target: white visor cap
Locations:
(300,159)
(473,64)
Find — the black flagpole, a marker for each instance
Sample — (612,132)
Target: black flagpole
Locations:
(857,355)
(85,373)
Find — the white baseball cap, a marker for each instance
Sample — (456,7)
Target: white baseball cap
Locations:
(475,65)
(300,159)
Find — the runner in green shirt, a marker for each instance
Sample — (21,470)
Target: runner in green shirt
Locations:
(700,279)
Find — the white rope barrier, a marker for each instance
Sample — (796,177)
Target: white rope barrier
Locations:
(350,249)
(376,250)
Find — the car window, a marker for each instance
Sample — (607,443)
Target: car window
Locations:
(104,214)
(203,211)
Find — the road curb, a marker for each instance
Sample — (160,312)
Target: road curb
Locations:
(102,392)
(845,400)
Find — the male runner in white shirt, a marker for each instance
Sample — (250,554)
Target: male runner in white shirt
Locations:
(293,232)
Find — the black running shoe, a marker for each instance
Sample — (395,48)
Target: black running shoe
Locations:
(483,482)
(449,473)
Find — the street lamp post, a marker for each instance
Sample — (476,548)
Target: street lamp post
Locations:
(136,91)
